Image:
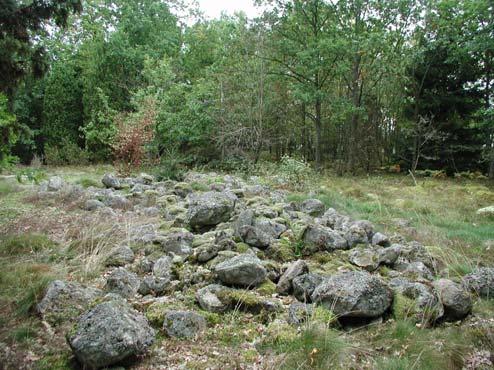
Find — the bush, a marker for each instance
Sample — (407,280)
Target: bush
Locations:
(9,134)
(68,153)
(295,172)
(134,132)
(31,175)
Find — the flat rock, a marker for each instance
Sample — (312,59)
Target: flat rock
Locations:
(244,270)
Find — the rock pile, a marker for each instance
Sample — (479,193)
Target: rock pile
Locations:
(240,245)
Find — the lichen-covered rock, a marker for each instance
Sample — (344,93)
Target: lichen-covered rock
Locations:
(304,285)
(120,256)
(122,282)
(415,302)
(313,207)
(178,242)
(55,183)
(317,237)
(210,208)
(366,258)
(243,270)
(154,285)
(110,333)
(245,218)
(457,302)
(481,282)
(299,313)
(183,324)
(65,300)
(380,239)
(162,268)
(356,234)
(208,299)
(261,232)
(111,181)
(354,294)
(297,268)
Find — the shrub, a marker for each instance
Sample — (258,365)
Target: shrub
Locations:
(31,175)
(9,133)
(296,172)
(67,153)
(134,132)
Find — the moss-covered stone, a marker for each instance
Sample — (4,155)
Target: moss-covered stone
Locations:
(241,247)
(267,288)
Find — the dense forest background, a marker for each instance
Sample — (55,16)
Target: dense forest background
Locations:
(353,85)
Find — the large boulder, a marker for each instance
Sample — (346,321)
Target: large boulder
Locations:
(210,208)
(109,333)
(354,294)
(183,324)
(317,237)
(297,268)
(122,282)
(64,300)
(457,302)
(244,270)
(481,282)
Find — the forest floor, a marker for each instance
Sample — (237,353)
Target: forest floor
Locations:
(42,240)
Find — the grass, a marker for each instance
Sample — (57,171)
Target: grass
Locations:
(12,245)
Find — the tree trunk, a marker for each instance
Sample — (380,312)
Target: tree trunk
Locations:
(318,122)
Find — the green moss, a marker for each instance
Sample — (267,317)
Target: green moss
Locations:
(403,307)
(87,182)
(241,247)
(55,361)
(267,288)
(322,315)
(282,250)
(241,300)
(197,186)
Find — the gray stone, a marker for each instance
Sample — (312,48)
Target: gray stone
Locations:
(210,208)
(380,239)
(183,324)
(55,183)
(388,256)
(481,282)
(456,301)
(111,181)
(313,207)
(245,218)
(179,242)
(317,237)
(120,256)
(297,268)
(304,286)
(162,268)
(110,333)
(122,282)
(205,252)
(262,232)
(356,234)
(243,270)
(367,258)
(415,301)
(93,204)
(208,299)
(486,211)
(64,300)
(299,313)
(354,294)
(154,285)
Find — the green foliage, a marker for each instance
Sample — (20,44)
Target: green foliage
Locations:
(9,133)
(295,172)
(66,153)
(30,175)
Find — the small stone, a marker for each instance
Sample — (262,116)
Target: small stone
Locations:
(122,282)
(243,270)
(183,324)
(297,268)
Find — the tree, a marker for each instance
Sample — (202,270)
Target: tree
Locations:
(20,54)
